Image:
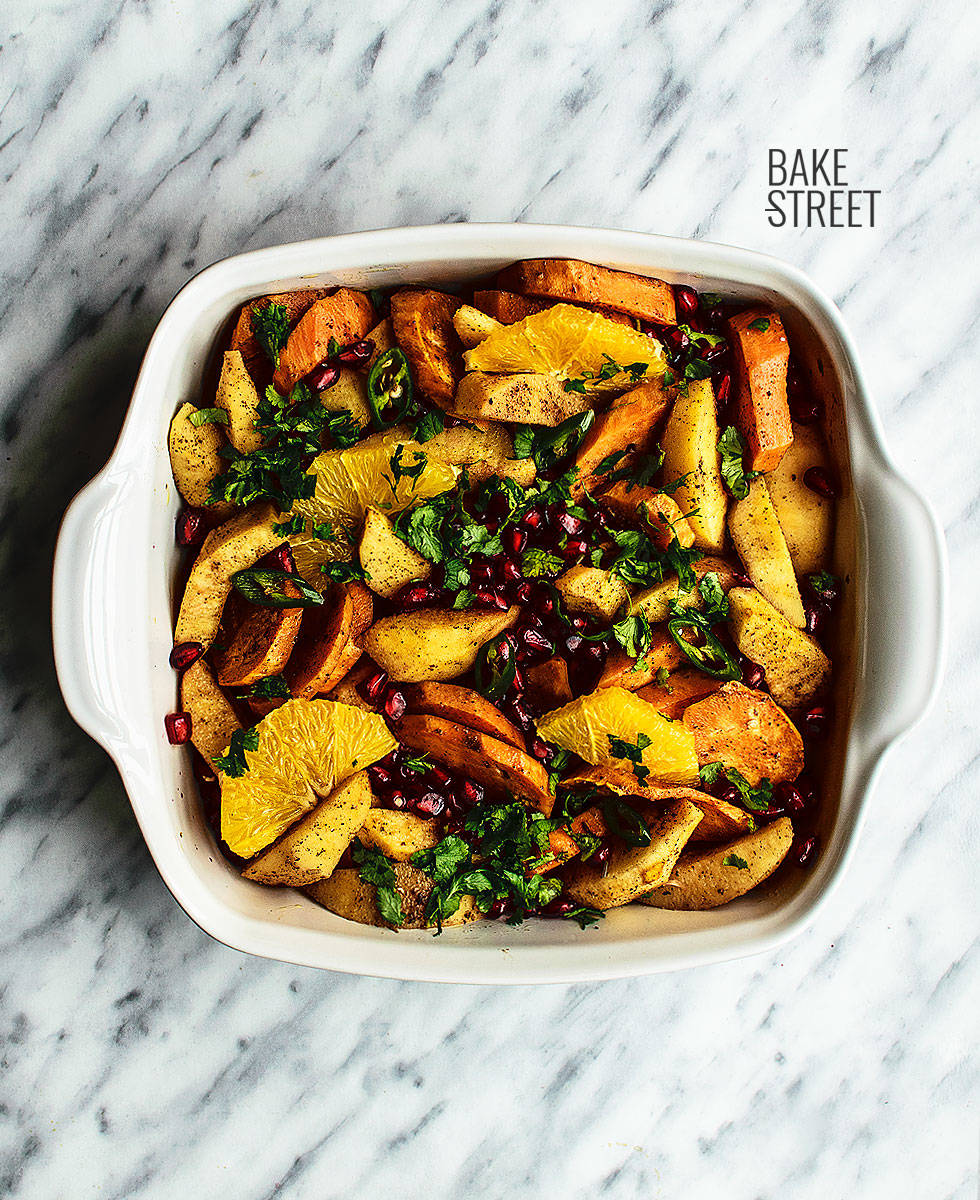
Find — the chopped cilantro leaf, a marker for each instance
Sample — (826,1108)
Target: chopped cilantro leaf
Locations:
(731,447)
(761,324)
(733,860)
(273,687)
(233,762)
(271,328)
(375,869)
(535,563)
(209,416)
(632,752)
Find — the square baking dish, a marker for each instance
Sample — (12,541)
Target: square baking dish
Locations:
(116,564)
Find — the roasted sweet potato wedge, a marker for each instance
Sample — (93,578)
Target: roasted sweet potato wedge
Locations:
(654,512)
(630,425)
(213,719)
(318,661)
(487,760)
(508,307)
(257,642)
(243,336)
(761,355)
(720,820)
(585,283)
(527,399)
(547,684)
(747,730)
(346,316)
(463,706)
(423,326)
(683,687)
(631,673)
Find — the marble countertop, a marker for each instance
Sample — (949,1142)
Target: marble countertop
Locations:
(140,142)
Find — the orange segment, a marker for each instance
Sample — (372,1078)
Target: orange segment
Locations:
(584,727)
(572,343)
(306,748)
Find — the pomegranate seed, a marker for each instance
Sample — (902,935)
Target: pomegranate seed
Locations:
(686,300)
(430,804)
(523,593)
(594,652)
(373,686)
(397,800)
(485,598)
(472,793)
(724,389)
(491,527)
(440,776)
(541,750)
(714,354)
(380,776)
(499,506)
(482,573)
(189,530)
(394,705)
(510,572)
(532,518)
(815,721)
(818,480)
(537,643)
(816,614)
(184,654)
(499,908)
(414,595)
(806,850)
(178,727)
(515,540)
(518,685)
(601,855)
(456,827)
(788,797)
(356,353)
(573,642)
(570,523)
(676,340)
(323,377)
(575,548)
(805,410)
(519,714)
(826,593)
(557,907)
(283,558)
(544,604)
(753,676)
(730,795)
(807,792)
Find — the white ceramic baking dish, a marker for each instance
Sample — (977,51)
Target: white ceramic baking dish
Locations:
(113,593)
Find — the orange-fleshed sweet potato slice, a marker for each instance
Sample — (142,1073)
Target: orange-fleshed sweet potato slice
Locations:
(464,707)
(720,821)
(346,316)
(547,685)
(423,325)
(654,512)
(320,649)
(585,283)
(362,613)
(761,354)
(484,759)
(631,673)
(258,641)
(508,307)
(683,687)
(630,425)
(747,730)
(243,336)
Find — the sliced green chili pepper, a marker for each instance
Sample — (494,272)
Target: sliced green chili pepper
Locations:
(389,389)
(496,667)
(267,589)
(712,658)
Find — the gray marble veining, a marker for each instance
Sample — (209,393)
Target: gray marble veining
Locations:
(140,141)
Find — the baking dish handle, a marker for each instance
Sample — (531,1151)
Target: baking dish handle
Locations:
(906,604)
(86,616)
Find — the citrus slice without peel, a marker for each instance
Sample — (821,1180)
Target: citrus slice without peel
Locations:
(583,727)
(349,481)
(569,342)
(306,748)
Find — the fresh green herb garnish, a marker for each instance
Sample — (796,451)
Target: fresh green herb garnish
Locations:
(273,687)
(342,429)
(733,860)
(344,572)
(293,526)
(610,461)
(271,328)
(824,585)
(731,447)
(663,677)
(233,762)
(549,446)
(633,634)
(401,470)
(536,563)
(632,752)
(267,589)
(426,425)
(756,799)
(609,370)
(761,324)
(641,471)
(209,416)
(418,763)
(375,869)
